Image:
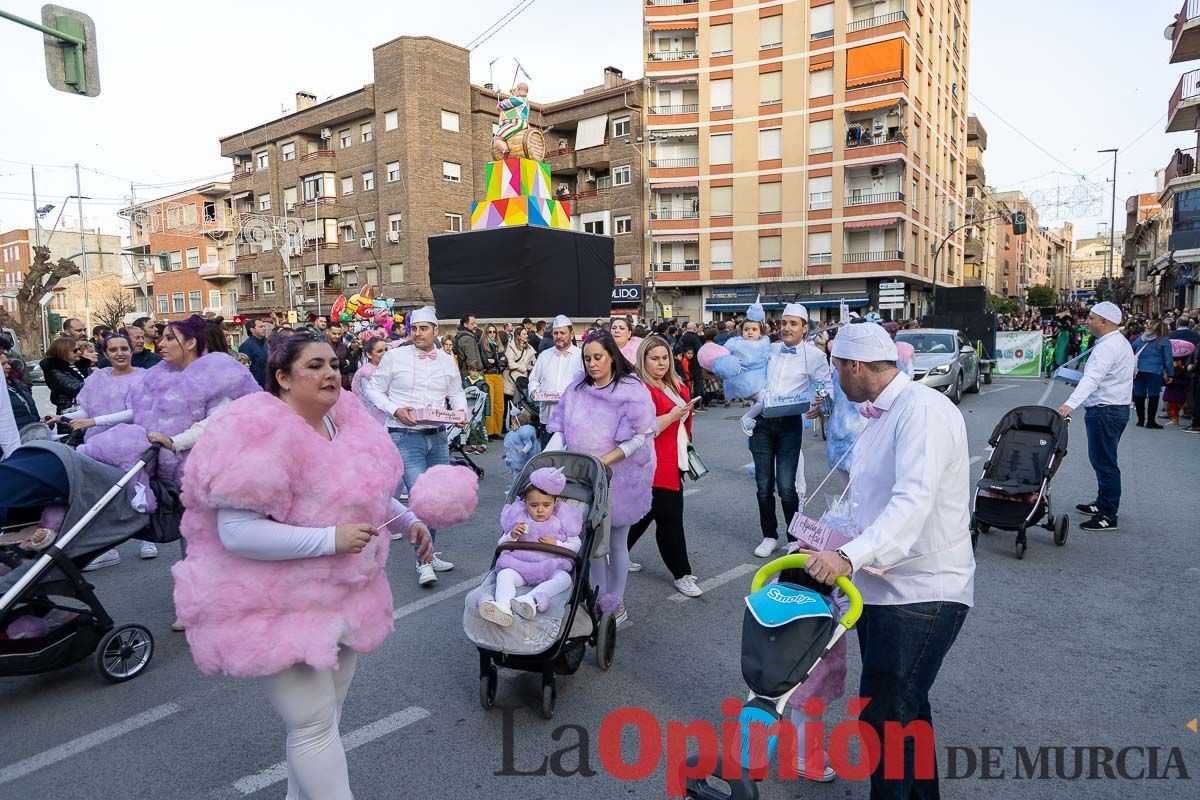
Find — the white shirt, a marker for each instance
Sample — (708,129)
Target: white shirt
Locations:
(404,380)
(911,490)
(1107,375)
(795,375)
(10,437)
(553,372)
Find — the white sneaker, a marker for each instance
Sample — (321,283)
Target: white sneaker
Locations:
(425,574)
(747,422)
(177,626)
(766,547)
(827,776)
(149,550)
(524,607)
(109,558)
(635,566)
(622,614)
(687,586)
(439,565)
(495,613)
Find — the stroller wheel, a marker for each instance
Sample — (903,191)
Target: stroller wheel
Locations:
(124,652)
(742,787)
(606,640)
(1060,530)
(549,696)
(487,690)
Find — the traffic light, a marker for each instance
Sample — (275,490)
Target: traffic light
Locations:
(54,321)
(1019,227)
(72,64)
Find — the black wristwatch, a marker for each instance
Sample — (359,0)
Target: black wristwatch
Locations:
(845,558)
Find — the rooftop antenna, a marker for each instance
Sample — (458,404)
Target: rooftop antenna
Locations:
(491,64)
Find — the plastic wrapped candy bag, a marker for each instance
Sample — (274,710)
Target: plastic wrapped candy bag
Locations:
(27,627)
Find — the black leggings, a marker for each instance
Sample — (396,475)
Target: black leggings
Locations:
(666,510)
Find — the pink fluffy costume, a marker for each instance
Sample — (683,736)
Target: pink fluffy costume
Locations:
(251,618)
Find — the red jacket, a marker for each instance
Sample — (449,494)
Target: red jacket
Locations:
(666,447)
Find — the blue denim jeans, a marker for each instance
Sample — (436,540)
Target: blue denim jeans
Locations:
(902,650)
(420,451)
(775,446)
(1104,425)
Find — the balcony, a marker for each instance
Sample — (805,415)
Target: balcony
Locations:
(975,171)
(676,213)
(875,22)
(672,163)
(318,161)
(873,199)
(218,270)
(675,266)
(597,157)
(561,160)
(689,108)
(1182,110)
(241,181)
(973,249)
(673,55)
(1181,165)
(857,137)
(242,258)
(660,3)
(878,255)
(1185,39)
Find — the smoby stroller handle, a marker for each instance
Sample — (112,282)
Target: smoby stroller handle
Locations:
(797,561)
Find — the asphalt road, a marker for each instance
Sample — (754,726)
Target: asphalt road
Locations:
(1090,645)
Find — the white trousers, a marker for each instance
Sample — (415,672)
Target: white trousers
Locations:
(310,702)
(509,580)
(609,574)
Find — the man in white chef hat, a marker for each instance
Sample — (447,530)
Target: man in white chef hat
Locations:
(912,558)
(556,368)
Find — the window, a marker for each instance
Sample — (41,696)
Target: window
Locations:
(722,39)
(396,223)
(314,187)
(348,233)
(193,301)
(289,198)
(449,121)
(288,151)
(720,200)
(770,251)
(454,223)
(770,198)
(721,253)
(622,225)
(770,32)
(821,22)
(344,138)
(177,302)
(193,258)
(622,176)
(820,248)
(163,308)
(264,202)
(348,185)
(396,272)
(770,88)
(211,254)
(268,286)
(393,171)
(176,261)
(623,272)
(262,160)
(770,144)
(368,181)
(451,172)
(365,131)
(721,92)
(720,148)
(349,276)
(391,120)
(620,128)
(369,228)
(820,193)
(372,276)
(595,226)
(214,298)
(820,136)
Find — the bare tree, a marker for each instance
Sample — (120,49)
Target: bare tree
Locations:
(113,309)
(40,280)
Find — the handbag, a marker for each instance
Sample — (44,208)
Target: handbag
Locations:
(696,468)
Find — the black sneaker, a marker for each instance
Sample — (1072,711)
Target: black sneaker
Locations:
(1090,509)
(1099,523)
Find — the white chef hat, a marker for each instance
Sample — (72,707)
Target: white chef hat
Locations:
(561,321)
(864,341)
(1108,311)
(796,310)
(424,314)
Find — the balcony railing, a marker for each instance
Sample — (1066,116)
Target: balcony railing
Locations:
(1188,88)
(1190,10)
(673,55)
(671,2)
(868,139)
(675,266)
(878,255)
(675,162)
(237,176)
(820,258)
(670,213)
(315,154)
(1182,163)
(868,199)
(875,22)
(689,108)
(820,201)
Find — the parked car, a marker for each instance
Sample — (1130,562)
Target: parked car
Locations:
(943,359)
(31,370)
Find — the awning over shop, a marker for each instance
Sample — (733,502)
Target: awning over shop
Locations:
(860,224)
(872,63)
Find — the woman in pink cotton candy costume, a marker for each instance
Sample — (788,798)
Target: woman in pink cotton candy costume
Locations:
(539,517)
(609,413)
(284,576)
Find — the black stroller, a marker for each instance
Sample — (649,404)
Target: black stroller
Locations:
(478,404)
(554,642)
(62,620)
(1029,445)
(523,402)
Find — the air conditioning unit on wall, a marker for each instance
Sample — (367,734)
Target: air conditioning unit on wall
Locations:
(393,236)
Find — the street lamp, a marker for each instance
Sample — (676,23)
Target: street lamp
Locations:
(1112,225)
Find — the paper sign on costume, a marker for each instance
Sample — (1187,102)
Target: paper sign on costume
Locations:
(787,405)
(547,397)
(815,536)
(440,416)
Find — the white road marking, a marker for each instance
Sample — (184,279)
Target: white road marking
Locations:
(83,743)
(747,466)
(718,580)
(976,459)
(368,733)
(437,597)
(1049,387)
(690,492)
(1003,388)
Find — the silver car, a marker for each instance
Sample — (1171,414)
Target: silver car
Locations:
(943,359)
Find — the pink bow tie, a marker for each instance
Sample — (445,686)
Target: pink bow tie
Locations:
(869,411)
(431,355)
(562,353)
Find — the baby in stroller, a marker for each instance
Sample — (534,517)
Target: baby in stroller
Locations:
(539,517)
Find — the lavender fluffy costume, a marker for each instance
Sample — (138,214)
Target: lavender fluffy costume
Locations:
(532,566)
(104,394)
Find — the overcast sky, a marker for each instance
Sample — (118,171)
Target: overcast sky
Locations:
(1053,82)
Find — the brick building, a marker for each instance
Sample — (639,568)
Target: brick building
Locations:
(345,193)
(70,299)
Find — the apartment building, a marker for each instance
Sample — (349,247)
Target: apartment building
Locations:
(182,254)
(804,150)
(344,193)
(1060,251)
(1176,269)
(979,240)
(1090,265)
(70,297)
(1145,239)
(1031,259)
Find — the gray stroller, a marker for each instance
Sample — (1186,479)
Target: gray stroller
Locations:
(554,642)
